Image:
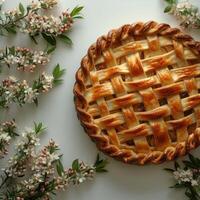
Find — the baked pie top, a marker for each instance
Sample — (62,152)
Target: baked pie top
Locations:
(137,93)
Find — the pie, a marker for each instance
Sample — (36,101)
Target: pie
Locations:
(137,93)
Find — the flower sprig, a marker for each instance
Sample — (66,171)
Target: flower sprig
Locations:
(20,92)
(7,132)
(187,176)
(33,21)
(24,59)
(25,151)
(185,11)
(39,175)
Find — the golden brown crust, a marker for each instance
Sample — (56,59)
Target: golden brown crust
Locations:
(110,144)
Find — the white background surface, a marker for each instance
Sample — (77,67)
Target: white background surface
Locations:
(56,109)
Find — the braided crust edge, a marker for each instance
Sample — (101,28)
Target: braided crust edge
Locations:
(102,141)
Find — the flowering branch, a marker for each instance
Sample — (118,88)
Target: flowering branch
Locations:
(188,177)
(38,175)
(25,151)
(19,92)
(7,132)
(185,11)
(25,59)
(31,20)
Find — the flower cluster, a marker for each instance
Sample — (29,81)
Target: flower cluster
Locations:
(187,176)
(47,156)
(32,174)
(45,4)
(19,92)
(33,21)
(186,12)
(12,90)
(38,175)
(25,151)
(25,59)
(7,132)
(46,82)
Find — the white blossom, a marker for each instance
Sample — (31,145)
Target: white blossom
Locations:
(13,90)
(47,81)
(25,150)
(182,175)
(36,23)
(30,95)
(5,137)
(7,132)
(187,13)
(48,3)
(25,59)
(41,169)
(194,183)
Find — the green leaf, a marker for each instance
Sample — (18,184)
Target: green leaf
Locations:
(100,164)
(192,193)
(65,39)
(51,49)
(176,165)
(168,9)
(1,6)
(60,168)
(169,169)
(78,17)
(21,9)
(188,194)
(57,74)
(7,50)
(76,165)
(189,164)
(49,38)
(76,12)
(178,185)
(35,101)
(11,29)
(171,1)
(12,50)
(194,160)
(39,128)
(33,39)
(44,5)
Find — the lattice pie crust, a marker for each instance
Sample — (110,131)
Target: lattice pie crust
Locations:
(137,93)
